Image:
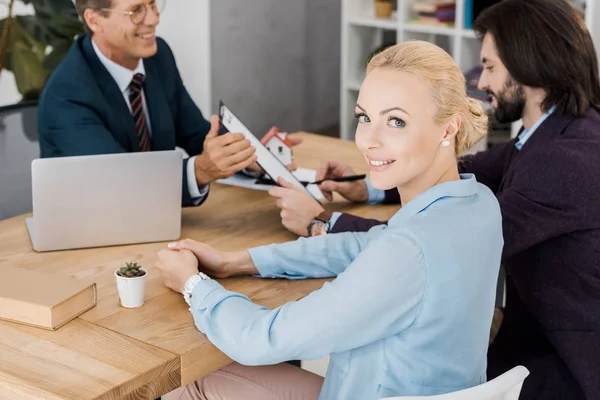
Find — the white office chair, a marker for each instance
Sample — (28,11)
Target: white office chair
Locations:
(505,387)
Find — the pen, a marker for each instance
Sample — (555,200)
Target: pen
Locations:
(349,178)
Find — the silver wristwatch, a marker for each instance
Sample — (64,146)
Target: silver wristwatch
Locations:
(190,284)
(320,225)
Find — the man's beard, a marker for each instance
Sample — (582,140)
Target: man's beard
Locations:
(511,102)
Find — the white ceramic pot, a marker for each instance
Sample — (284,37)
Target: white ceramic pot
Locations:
(132,290)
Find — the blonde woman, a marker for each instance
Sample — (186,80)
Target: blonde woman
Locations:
(410,308)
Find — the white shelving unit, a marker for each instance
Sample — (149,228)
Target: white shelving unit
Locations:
(362,33)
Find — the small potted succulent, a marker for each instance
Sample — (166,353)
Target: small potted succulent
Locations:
(384,8)
(131,284)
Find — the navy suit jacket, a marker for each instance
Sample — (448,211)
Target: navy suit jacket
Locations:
(549,194)
(83,112)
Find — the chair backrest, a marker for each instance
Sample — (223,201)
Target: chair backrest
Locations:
(19,146)
(505,387)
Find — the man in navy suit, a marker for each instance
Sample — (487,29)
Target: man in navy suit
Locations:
(119,90)
(540,66)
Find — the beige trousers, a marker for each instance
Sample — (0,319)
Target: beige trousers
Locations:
(272,382)
(239,382)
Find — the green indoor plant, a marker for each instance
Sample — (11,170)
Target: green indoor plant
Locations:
(131,270)
(31,46)
(131,284)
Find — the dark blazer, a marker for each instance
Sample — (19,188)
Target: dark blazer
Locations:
(549,194)
(83,112)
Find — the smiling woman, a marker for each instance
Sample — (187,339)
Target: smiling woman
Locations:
(414,120)
(412,111)
(410,308)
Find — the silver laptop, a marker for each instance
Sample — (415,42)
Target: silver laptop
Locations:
(104,200)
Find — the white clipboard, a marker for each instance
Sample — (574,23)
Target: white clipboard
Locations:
(266,160)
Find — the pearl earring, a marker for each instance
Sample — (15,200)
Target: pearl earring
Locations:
(446,143)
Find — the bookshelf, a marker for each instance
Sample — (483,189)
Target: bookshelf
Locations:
(363,33)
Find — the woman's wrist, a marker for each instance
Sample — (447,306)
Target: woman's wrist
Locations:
(240,263)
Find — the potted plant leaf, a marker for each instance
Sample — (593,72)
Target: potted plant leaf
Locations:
(31,46)
(131,284)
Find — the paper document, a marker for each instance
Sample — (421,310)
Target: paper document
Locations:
(267,160)
(302,174)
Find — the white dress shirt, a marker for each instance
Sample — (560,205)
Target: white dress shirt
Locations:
(123,77)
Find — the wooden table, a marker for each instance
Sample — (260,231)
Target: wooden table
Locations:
(111,352)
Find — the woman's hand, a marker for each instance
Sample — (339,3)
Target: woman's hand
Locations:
(217,263)
(297,207)
(175,268)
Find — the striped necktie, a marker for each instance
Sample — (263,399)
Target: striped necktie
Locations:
(137,111)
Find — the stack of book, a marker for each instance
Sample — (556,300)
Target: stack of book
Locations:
(42,299)
(434,12)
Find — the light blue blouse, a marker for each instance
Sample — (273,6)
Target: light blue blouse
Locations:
(408,313)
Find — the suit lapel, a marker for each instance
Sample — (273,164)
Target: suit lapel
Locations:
(121,120)
(158,109)
(551,128)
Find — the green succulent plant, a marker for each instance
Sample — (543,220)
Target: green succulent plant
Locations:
(31,46)
(131,270)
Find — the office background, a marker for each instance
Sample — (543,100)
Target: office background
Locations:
(276,62)
(280,62)
(296,64)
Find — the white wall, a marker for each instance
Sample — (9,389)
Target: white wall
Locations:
(8,89)
(277,62)
(593,22)
(185,25)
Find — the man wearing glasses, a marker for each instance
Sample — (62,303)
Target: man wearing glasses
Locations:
(119,90)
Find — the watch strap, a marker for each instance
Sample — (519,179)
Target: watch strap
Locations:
(324,216)
(321,219)
(191,283)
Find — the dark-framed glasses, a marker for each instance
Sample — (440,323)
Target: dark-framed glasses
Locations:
(138,12)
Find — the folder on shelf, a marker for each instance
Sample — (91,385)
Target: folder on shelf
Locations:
(468,14)
(473,8)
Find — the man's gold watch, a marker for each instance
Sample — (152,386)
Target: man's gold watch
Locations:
(320,224)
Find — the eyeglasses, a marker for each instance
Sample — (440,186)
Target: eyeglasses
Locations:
(138,12)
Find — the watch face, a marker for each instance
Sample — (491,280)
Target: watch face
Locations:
(191,282)
(318,228)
